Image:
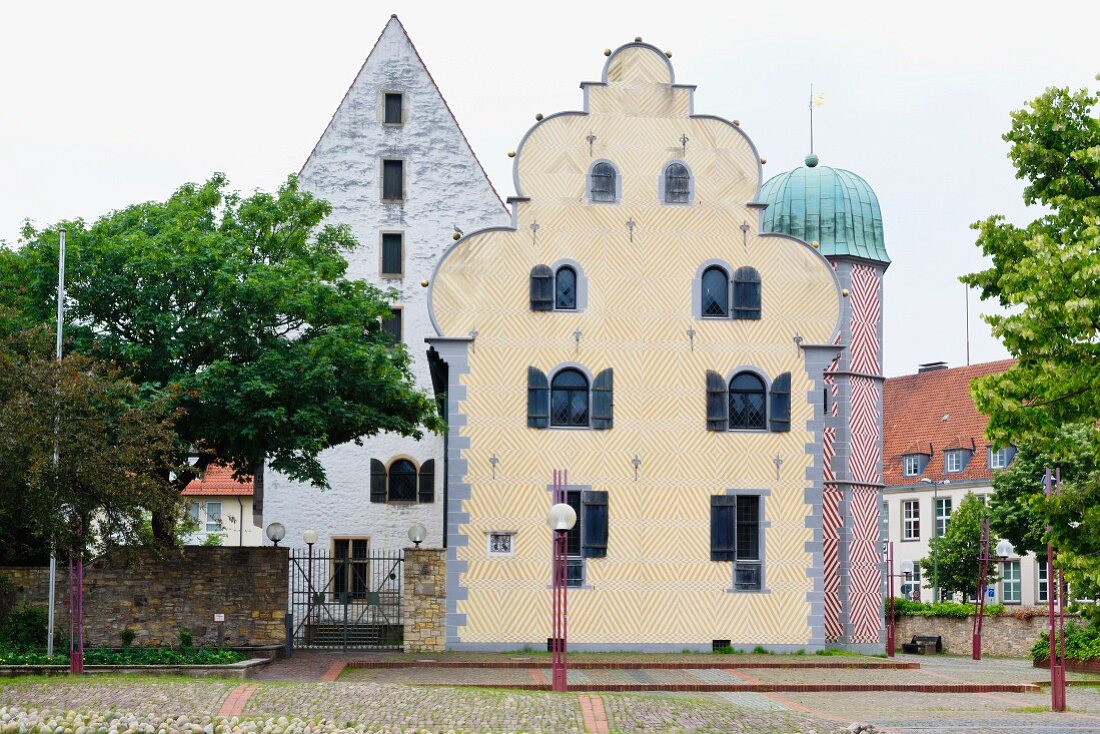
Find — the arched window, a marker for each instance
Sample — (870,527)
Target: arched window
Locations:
(677,184)
(569,399)
(716,292)
(602,184)
(746,294)
(565,289)
(402,484)
(747,401)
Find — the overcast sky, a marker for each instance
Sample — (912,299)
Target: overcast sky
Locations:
(109,103)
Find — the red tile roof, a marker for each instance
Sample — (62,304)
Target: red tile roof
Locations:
(934,408)
(218,480)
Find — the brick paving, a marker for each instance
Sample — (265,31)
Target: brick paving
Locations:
(235,701)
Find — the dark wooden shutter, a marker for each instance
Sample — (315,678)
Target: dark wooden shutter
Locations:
(538,399)
(603,402)
(427,481)
(393,180)
(393,109)
(542,288)
(779,411)
(722,508)
(717,403)
(377,481)
(594,524)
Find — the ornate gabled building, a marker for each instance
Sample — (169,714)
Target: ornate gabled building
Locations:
(399,172)
(702,362)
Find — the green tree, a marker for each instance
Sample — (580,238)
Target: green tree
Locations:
(237,313)
(958,548)
(1048,275)
(110,442)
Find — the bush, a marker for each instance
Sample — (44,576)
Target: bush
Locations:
(127,638)
(1082,643)
(186,638)
(953,609)
(131,656)
(24,629)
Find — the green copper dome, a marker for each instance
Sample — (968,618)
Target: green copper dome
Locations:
(834,207)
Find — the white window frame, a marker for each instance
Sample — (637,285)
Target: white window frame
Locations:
(489,537)
(999,458)
(220,525)
(911,465)
(1013,583)
(910,520)
(943,520)
(953,461)
(913,582)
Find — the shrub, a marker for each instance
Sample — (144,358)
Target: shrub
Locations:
(953,609)
(127,638)
(131,656)
(186,638)
(24,629)
(1082,643)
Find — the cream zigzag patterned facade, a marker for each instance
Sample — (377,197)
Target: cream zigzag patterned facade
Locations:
(640,262)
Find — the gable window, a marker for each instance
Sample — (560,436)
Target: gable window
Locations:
(746,294)
(603,183)
(1000,458)
(677,184)
(735,535)
(747,402)
(569,399)
(350,568)
(954,461)
(402,481)
(943,515)
(214,517)
(393,254)
(910,520)
(716,293)
(911,465)
(393,180)
(392,325)
(394,105)
(565,289)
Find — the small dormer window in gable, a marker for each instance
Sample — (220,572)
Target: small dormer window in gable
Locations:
(911,465)
(394,104)
(677,184)
(1001,458)
(955,460)
(602,182)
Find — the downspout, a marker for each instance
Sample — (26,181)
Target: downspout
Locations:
(240,530)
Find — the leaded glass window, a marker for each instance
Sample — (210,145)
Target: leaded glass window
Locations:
(677,184)
(716,292)
(565,289)
(569,399)
(603,182)
(402,481)
(747,401)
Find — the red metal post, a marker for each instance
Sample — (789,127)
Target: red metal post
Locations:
(979,606)
(1054,630)
(890,608)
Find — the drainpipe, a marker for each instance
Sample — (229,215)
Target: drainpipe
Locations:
(240,530)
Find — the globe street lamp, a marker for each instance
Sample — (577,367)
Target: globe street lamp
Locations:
(417,533)
(935,534)
(906,573)
(275,533)
(561,520)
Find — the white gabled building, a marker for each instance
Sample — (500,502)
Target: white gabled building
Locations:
(398,170)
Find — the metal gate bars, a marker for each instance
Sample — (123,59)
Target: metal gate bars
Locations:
(349,598)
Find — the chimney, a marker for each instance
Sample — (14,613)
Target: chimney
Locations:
(931,367)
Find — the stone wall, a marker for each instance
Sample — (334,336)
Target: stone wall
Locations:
(1006,635)
(156,597)
(423,602)
(31,585)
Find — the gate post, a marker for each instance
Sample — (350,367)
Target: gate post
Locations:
(289,620)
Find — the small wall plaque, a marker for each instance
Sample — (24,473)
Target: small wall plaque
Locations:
(219,617)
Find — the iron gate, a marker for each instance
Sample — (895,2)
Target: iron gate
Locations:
(350,598)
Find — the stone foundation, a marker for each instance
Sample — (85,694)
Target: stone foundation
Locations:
(423,602)
(1007,635)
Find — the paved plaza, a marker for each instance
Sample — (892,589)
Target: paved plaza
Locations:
(319,692)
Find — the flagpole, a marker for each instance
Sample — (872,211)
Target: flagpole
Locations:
(56,452)
(811,119)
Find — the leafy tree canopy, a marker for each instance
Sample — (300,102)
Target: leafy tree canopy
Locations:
(236,313)
(958,549)
(1048,275)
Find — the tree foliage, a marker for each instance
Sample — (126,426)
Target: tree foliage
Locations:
(1047,274)
(237,313)
(111,444)
(958,548)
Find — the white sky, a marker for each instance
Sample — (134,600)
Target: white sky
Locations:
(109,103)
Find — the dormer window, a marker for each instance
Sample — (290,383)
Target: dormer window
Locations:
(1001,458)
(954,461)
(911,465)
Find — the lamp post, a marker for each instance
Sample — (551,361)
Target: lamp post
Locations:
(935,534)
(1004,550)
(561,519)
(906,572)
(1055,634)
(275,533)
(309,537)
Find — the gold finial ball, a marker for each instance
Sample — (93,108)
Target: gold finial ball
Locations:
(737,123)
(456,236)
(668,54)
(424,283)
(607,52)
(511,154)
(763,161)
(816,245)
(538,116)
(637,39)
(844,292)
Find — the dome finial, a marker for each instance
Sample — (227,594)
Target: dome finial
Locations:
(812,160)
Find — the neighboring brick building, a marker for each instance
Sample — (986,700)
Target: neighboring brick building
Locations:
(934,432)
